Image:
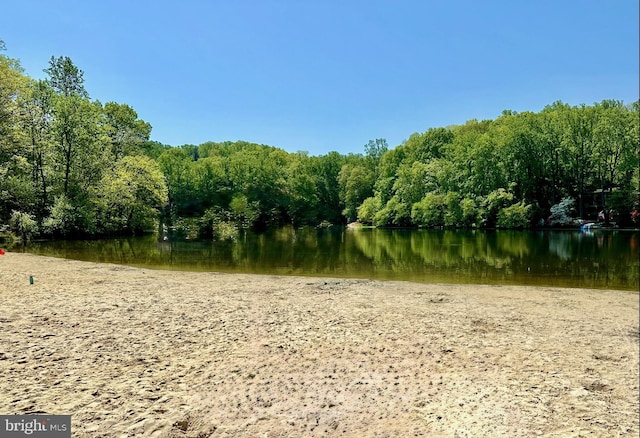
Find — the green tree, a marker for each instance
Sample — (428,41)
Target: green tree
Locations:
(368,209)
(325,170)
(126,132)
(302,192)
(614,157)
(81,149)
(131,196)
(492,204)
(579,140)
(430,211)
(37,107)
(176,167)
(515,216)
(16,191)
(65,77)
(356,184)
(23,224)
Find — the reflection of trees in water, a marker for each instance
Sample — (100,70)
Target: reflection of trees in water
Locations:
(573,259)
(559,245)
(443,248)
(599,259)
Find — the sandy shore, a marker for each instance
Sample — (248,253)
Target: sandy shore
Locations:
(136,352)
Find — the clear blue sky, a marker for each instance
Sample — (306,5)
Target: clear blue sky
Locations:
(324,75)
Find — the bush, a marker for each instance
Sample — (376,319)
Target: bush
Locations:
(225,230)
(469,209)
(68,219)
(217,224)
(23,224)
(493,203)
(516,216)
(453,211)
(429,212)
(561,212)
(395,212)
(368,209)
(190,227)
(245,213)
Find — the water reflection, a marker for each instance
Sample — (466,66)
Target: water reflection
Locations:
(596,259)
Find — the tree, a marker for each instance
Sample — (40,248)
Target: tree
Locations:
(561,213)
(615,160)
(175,165)
(37,106)
(375,149)
(301,190)
(515,216)
(23,224)
(579,140)
(65,78)
(131,195)
(356,185)
(16,190)
(429,212)
(368,210)
(81,149)
(493,203)
(325,170)
(126,132)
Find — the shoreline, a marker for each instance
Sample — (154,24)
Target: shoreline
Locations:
(140,352)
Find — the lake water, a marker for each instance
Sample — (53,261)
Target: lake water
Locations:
(599,259)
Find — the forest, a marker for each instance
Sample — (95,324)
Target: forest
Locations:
(71,166)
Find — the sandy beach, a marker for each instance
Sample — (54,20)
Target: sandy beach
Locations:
(137,352)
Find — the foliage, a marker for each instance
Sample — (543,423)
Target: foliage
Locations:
(245,213)
(516,216)
(492,204)
(76,166)
(67,219)
(561,213)
(429,212)
(23,224)
(469,213)
(225,230)
(368,209)
(130,196)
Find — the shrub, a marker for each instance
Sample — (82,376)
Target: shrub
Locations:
(395,212)
(561,212)
(244,212)
(516,216)
(190,227)
(23,224)
(225,230)
(368,209)
(429,212)
(453,211)
(493,203)
(67,218)
(469,209)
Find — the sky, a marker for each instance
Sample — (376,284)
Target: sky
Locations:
(330,75)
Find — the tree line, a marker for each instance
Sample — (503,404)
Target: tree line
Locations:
(71,166)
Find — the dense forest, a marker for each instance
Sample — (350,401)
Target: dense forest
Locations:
(71,166)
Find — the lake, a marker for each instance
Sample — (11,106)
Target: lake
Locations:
(601,259)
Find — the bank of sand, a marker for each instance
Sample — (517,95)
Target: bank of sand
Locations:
(138,352)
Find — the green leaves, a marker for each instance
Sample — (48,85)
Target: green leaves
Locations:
(131,195)
(126,132)
(65,78)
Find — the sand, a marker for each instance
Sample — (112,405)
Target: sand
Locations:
(138,352)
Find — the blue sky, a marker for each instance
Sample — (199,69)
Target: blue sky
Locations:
(329,75)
